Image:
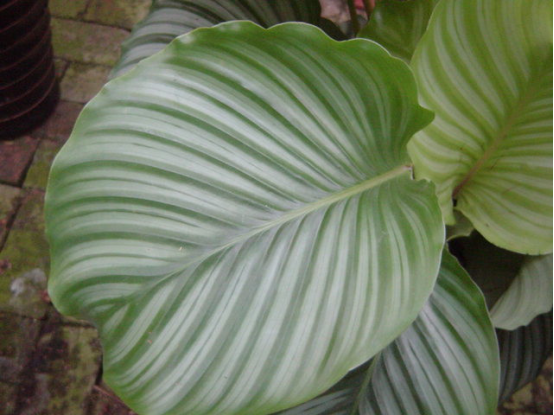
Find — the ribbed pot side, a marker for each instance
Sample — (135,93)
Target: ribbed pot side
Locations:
(29,89)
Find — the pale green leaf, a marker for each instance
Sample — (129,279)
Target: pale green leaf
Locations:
(523,353)
(168,19)
(485,68)
(462,227)
(529,294)
(445,363)
(237,217)
(517,287)
(398,25)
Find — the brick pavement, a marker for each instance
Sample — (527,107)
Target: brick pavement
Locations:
(49,364)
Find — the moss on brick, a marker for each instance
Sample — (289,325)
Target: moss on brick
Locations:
(9,200)
(23,284)
(72,371)
(65,8)
(37,176)
(86,42)
(122,13)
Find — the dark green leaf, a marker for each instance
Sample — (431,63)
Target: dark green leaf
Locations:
(398,25)
(171,18)
(523,353)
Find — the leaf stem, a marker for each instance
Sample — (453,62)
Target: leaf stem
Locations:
(353,16)
(365,383)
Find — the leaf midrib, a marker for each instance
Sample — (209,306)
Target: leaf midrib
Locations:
(532,89)
(326,201)
(288,217)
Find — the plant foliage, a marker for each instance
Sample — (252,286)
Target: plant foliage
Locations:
(427,370)
(237,213)
(171,18)
(485,68)
(252,175)
(523,352)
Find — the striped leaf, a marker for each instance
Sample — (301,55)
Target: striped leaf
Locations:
(168,19)
(445,363)
(237,217)
(398,25)
(523,353)
(529,294)
(485,68)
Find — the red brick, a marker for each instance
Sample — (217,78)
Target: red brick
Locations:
(60,124)
(15,157)
(82,81)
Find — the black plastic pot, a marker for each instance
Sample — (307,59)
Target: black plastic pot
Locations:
(29,89)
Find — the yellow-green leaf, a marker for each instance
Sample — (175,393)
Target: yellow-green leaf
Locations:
(485,68)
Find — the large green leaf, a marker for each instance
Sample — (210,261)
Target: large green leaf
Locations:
(529,294)
(398,25)
(523,353)
(445,363)
(237,217)
(171,18)
(485,68)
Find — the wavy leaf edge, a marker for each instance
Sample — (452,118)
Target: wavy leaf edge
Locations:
(401,171)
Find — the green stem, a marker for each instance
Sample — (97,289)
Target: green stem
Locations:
(365,383)
(353,17)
